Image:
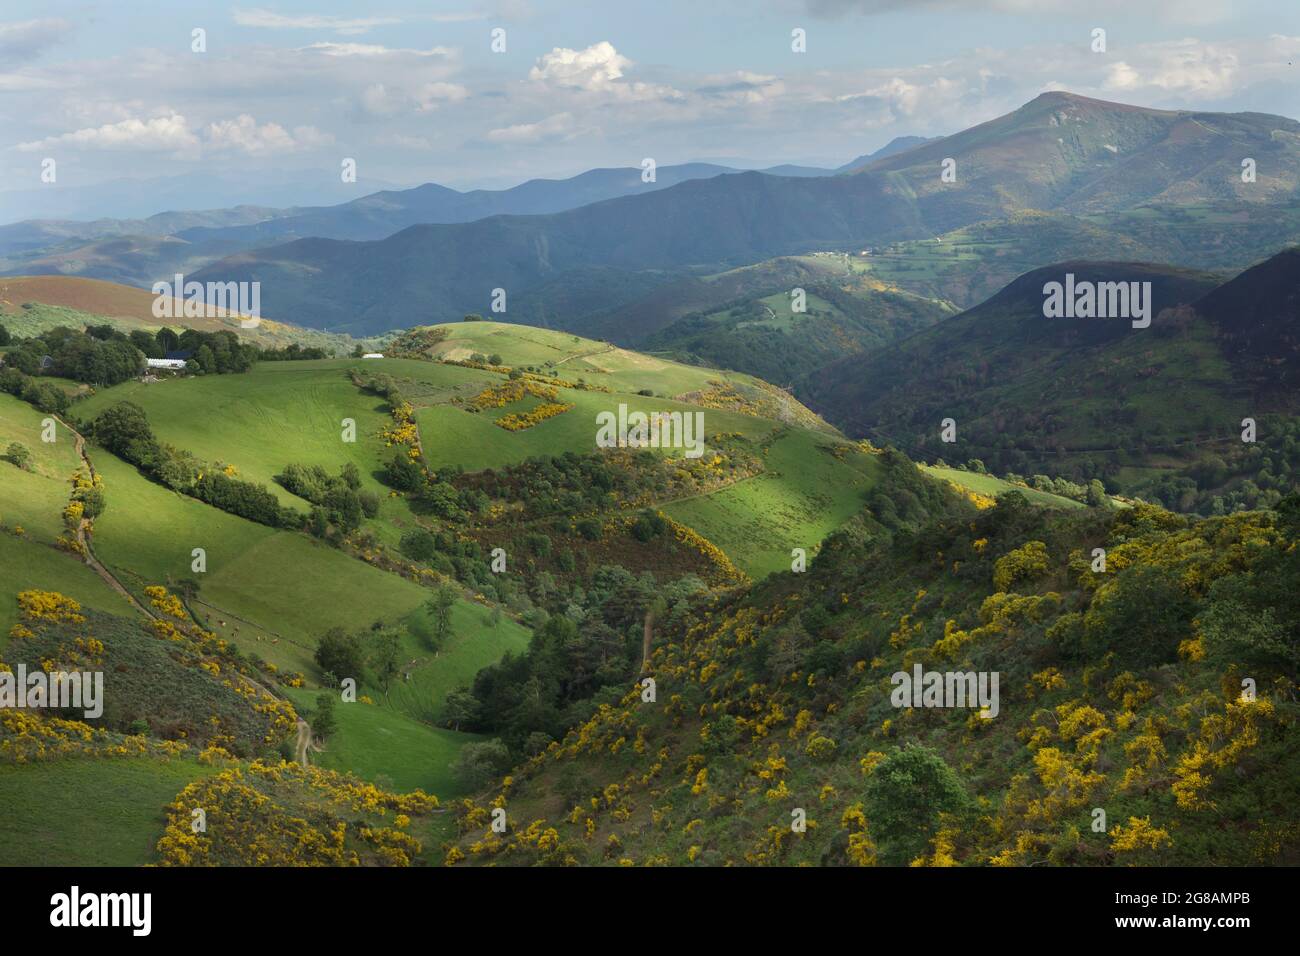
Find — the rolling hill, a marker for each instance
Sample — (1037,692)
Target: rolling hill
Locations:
(779,737)
(1093,398)
(615,557)
(30,305)
(764,336)
(267,595)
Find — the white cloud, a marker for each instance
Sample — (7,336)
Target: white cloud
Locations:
(1121,76)
(429,95)
(379,99)
(243,134)
(1199,70)
(342,25)
(28,39)
(742,86)
(1179,11)
(596,69)
(559,126)
(161,133)
(374,49)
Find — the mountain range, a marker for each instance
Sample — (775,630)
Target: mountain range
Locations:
(1065,154)
(604,253)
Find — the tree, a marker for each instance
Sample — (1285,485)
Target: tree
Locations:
(480,763)
(206,359)
(351,476)
(461,707)
(324,721)
(402,473)
(124,430)
(168,340)
(93,502)
(439,607)
(340,653)
(385,657)
(418,545)
(905,795)
(648,525)
(1097,497)
(5,337)
(1142,614)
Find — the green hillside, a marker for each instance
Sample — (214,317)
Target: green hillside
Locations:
(45,820)
(1154,412)
(494,582)
(775,738)
(270,591)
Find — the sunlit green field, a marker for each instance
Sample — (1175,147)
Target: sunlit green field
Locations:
(991,486)
(806,494)
(388,748)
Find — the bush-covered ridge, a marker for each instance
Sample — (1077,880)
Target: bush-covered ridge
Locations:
(1121,692)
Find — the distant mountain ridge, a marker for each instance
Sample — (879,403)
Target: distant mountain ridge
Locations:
(1059,151)
(373,216)
(898,144)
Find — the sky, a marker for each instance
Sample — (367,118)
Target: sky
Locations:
(286,90)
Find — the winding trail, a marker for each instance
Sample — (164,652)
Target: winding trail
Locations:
(303,743)
(88,555)
(83,539)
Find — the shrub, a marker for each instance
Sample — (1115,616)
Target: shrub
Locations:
(1022,564)
(479,764)
(648,526)
(18,455)
(418,545)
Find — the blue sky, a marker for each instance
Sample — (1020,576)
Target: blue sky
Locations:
(413,92)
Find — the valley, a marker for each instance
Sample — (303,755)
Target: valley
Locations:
(596,520)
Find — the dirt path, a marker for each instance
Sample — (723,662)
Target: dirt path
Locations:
(583,355)
(303,743)
(83,539)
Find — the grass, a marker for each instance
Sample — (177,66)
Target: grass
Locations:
(453,436)
(805,495)
(573,357)
(260,421)
(783,315)
(34,499)
(26,564)
(389,749)
(287,588)
(474,644)
(83,811)
(32,305)
(991,486)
